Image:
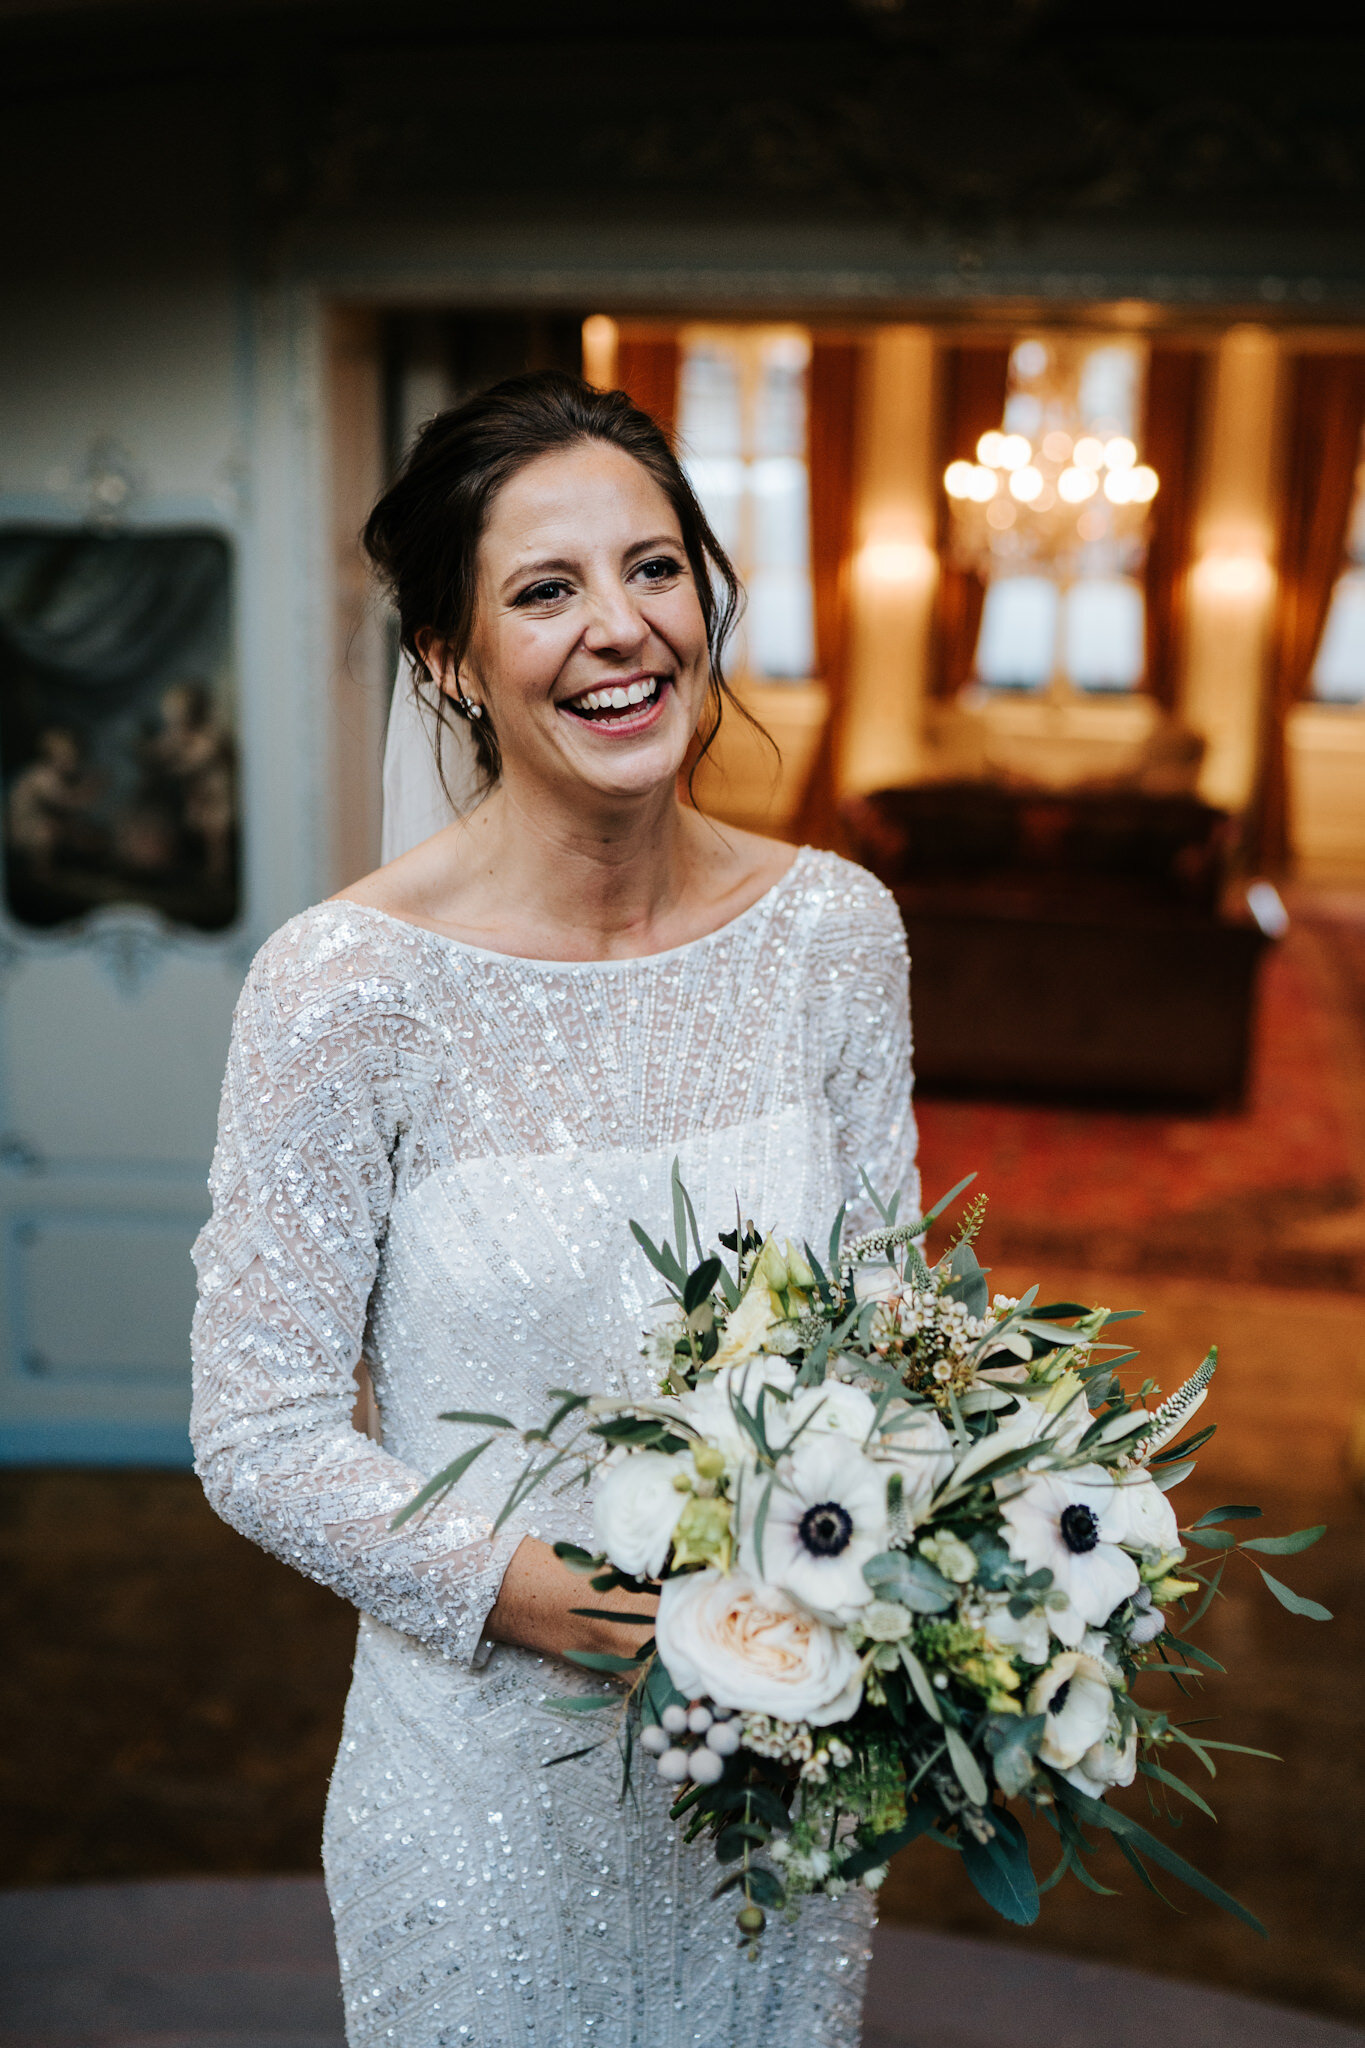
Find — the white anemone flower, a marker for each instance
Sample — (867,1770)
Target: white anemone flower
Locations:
(826,1517)
(1074,1696)
(1110,1761)
(1072,1523)
(915,1445)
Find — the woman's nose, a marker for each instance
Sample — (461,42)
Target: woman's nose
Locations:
(615,624)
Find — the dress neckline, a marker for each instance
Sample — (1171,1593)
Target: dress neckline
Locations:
(425,931)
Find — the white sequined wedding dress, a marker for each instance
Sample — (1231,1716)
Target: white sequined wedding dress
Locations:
(431,1152)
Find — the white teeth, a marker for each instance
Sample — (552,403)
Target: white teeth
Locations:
(619,698)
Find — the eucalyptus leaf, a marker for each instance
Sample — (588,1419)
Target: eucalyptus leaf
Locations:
(438,1487)
(1285,1546)
(1297,1603)
(1001,1871)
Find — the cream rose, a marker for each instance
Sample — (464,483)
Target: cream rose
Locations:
(635,1511)
(747,1646)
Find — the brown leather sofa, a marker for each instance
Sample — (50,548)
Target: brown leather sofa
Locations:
(1078,945)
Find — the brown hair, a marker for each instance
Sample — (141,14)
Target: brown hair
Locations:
(423,535)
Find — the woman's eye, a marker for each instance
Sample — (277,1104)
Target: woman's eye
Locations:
(548,592)
(660,568)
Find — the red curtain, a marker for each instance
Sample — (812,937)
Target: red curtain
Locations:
(1176,383)
(972,387)
(832,412)
(1326,413)
(648,370)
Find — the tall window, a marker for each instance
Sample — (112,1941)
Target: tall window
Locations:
(742,436)
(1339,671)
(1072,617)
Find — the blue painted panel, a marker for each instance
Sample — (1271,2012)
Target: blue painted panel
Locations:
(155,1444)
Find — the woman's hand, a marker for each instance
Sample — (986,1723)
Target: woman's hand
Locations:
(535,1604)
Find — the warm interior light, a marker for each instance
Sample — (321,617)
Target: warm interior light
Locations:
(1119,453)
(1000,515)
(1143,484)
(1056,445)
(1118,487)
(988,448)
(1026,483)
(1015,451)
(983,486)
(957,479)
(1088,452)
(599,351)
(1076,485)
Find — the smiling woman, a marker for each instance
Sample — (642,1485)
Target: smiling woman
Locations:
(449,1089)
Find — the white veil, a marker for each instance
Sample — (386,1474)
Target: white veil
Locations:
(415,802)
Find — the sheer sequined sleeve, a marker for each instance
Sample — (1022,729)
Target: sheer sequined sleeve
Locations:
(331,1060)
(869,1075)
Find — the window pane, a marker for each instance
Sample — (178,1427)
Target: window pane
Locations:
(1107,396)
(709,408)
(1339,672)
(1103,636)
(1018,633)
(779,625)
(782,397)
(718,481)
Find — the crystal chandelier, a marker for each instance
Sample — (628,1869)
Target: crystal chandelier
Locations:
(1070,495)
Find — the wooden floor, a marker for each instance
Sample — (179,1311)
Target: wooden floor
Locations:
(248,1963)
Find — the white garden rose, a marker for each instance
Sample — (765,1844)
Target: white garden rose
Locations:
(746,1646)
(1110,1761)
(832,1408)
(709,1408)
(635,1511)
(826,1518)
(914,1444)
(1074,1696)
(1149,1521)
(1028,1634)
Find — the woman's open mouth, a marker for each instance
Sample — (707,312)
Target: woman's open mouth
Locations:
(620,708)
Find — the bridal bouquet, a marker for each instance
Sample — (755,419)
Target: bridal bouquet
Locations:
(914,1552)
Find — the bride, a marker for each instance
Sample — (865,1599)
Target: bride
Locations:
(449,1088)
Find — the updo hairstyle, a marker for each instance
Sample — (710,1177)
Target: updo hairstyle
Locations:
(423,535)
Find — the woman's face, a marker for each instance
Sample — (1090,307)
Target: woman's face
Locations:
(589,646)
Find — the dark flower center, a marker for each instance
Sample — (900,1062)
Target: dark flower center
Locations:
(826,1529)
(1080,1527)
(1058,1700)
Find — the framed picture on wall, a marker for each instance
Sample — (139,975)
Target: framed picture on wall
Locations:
(118,755)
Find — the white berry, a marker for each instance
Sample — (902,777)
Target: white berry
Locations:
(704,1766)
(723,1738)
(673,1766)
(674,1719)
(654,1740)
(699,1719)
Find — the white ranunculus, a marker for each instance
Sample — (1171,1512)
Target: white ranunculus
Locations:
(826,1518)
(746,1646)
(915,1444)
(709,1408)
(1148,1517)
(1074,1695)
(834,1409)
(635,1511)
(1026,1633)
(1110,1761)
(1072,1523)
(876,1281)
